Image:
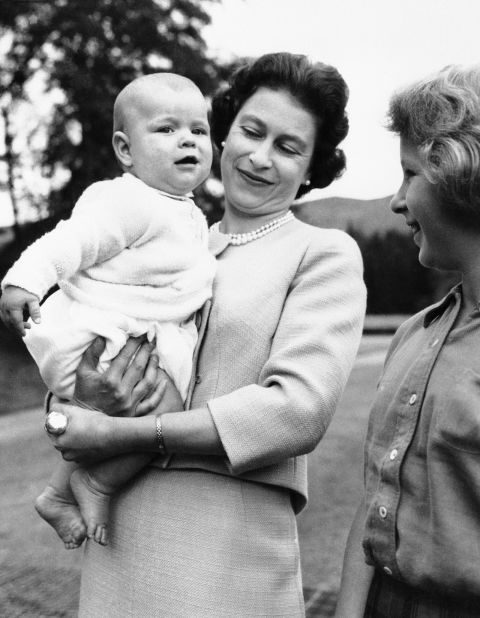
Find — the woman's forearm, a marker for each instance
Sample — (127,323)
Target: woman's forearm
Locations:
(356,574)
(191,432)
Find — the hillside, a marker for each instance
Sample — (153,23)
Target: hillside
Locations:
(366,216)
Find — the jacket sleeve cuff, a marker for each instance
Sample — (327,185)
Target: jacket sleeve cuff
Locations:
(242,419)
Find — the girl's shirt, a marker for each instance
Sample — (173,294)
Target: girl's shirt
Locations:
(422,465)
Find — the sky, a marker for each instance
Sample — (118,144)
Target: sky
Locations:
(377,45)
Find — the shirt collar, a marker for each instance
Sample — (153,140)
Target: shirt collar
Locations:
(182,198)
(217,242)
(439,308)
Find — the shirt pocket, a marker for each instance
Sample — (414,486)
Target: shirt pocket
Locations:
(458,414)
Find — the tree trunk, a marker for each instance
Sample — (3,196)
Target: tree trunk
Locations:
(10,160)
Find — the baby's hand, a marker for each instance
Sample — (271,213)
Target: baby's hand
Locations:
(13,303)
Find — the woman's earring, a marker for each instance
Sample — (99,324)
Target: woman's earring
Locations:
(307,182)
(222,144)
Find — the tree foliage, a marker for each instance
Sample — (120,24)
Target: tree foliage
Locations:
(396,281)
(90,49)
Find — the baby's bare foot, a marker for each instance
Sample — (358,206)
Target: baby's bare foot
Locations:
(94,502)
(63,515)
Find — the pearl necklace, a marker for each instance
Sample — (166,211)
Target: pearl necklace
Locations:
(242,239)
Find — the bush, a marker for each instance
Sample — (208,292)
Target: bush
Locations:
(396,281)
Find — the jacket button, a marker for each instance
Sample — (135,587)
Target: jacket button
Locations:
(198,379)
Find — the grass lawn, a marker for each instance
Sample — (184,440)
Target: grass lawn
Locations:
(335,473)
(38,578)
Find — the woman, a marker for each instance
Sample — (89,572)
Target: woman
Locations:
(209,529)
(419,522)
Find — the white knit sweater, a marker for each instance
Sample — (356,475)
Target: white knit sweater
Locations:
(127,248)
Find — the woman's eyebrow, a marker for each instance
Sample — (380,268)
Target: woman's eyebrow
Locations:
(252,118)
(288,136)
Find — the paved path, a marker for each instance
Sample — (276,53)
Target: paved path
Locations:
(20,425)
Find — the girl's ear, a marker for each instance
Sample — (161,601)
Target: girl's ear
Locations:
(121,147)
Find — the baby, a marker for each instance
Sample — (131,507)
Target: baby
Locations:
(132,259)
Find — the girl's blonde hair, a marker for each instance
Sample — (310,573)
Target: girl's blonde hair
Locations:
(440,115)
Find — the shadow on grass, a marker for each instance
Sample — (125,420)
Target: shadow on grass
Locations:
(21,386)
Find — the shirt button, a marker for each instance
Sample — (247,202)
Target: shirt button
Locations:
(393,454)
(434,343)
(383,512)
(387,570)
(412,399)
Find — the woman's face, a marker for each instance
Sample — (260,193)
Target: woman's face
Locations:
(418,200)
(267,154)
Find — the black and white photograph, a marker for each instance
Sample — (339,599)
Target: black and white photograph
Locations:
(239,296)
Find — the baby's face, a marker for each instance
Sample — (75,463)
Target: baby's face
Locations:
(170,140)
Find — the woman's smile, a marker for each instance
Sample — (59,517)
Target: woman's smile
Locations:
(254,179)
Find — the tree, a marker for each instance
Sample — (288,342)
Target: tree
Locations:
(10,160)
(395,280)
(89,50)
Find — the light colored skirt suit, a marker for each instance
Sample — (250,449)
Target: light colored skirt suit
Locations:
(196,536)
(190,543)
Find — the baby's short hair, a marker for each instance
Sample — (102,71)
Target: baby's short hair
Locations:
(133,91)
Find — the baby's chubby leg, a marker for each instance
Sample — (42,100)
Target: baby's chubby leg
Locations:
(57,506)
(93,487)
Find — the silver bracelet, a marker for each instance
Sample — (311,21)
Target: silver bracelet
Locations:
(160,441)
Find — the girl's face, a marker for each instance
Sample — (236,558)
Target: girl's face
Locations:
(419,201)
(267,154)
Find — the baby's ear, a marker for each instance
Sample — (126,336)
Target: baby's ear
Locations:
(121,147)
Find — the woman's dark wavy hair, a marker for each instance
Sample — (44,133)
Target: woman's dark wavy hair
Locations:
(318,87)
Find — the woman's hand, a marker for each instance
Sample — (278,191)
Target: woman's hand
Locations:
(133,385)
(89,436)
